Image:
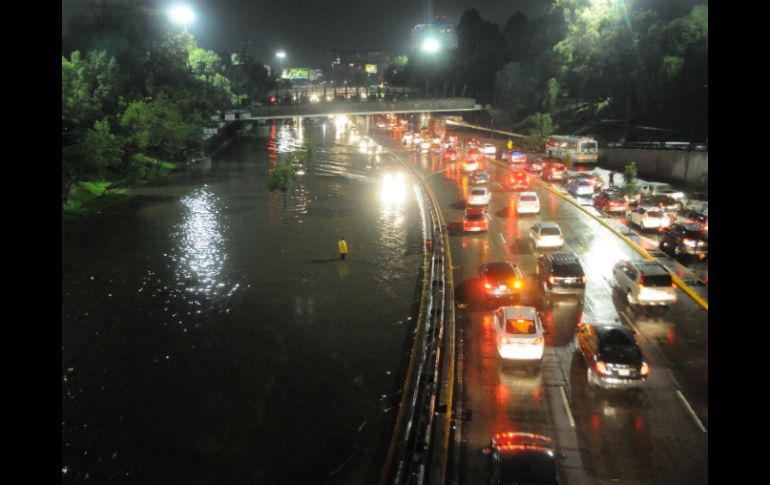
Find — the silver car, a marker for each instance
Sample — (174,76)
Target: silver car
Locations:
(644,283)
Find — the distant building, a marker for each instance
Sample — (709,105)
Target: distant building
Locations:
(439,29)
(357,68)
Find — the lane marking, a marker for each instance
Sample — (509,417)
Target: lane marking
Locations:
(502,237)
(689,408)
(566,406)
(630,323)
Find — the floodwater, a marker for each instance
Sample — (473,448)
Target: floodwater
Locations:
(212,335)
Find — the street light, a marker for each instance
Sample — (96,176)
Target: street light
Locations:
(431,45)
(181,14)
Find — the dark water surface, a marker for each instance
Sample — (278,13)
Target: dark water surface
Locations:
(210,335)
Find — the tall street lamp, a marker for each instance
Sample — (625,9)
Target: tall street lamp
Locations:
(181,14)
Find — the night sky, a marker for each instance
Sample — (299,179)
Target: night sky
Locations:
(308,29)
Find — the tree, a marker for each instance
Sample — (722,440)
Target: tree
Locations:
(281,178)
(629,177)
(156,125)
(542,128)
(98,150)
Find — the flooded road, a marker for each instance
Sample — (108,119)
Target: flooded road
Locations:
(210,335)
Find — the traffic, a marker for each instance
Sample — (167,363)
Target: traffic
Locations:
(570,337)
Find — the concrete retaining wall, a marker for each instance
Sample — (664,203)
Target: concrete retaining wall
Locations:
(361,107)
(666,165)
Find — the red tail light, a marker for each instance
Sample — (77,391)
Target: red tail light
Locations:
(517,284)
(645,369)
(601,367)
(584,279)
(487,286)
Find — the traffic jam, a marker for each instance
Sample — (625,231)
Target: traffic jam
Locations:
(582,361)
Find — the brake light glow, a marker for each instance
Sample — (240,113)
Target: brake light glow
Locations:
(517,284)
(583,279)
(552,280)
(488,286)
(538,341)
(645,369)
(601,367)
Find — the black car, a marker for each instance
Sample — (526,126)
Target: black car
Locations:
(522,458)
(693,216)
(561,273)
(501,280)
(612,356)
(685,238)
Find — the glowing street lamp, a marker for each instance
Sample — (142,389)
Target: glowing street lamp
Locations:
(181,14)
(431,45)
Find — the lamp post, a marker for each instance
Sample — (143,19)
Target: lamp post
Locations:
(181,14)
(430,46)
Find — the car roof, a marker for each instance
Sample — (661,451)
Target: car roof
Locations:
(479,187)
(608,330)
(649,267)
(563,258)
(499,268)
(516,311)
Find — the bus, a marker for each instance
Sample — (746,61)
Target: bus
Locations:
(576,149)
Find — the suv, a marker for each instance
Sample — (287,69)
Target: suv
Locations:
(685,238)
(644,283)
(561,273)
(501,279)
(612,356)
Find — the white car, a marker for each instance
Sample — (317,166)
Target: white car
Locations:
(659,188)
(519,333)
(581,187)
(547,235)
(479,196)
(488,149)
(528,203)
(425,145)
(644,283)
(407,139)
(647,217)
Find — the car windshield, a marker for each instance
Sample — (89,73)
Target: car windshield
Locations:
(550,231)
(520,326)
(571,270)
(588,146)
(478,192)
(500,273)
(654,214)
(656,280)
(528,198)
(475,217)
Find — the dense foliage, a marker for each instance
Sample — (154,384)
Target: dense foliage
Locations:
(137,92)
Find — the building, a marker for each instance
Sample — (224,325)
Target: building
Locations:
(357,68)
(439,29)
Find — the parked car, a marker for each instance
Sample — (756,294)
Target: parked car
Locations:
(519,333)
(646,217)
(524,458)
(501,280)
(612,356)
(479,177)
(528,203)
(561,273)
(693,216)
(546,235)
(581,187)
(685,238)
(516,180)
(644,283)
(479,196)
(475,219)
(611,201)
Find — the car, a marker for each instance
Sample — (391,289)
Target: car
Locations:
(645,283)
(416,139)
(596,180)
(500,280)
(474,153)
(653,188)
(479,177)
(611,201)
(561,273)
(646,217)
(693,216)
(581,187)
(612,356)
(677,195)
(471,143)
(519,333)
(479,196)
(685,238)
(546,235)
(514,157)
(516,457)
(663,201)
(475,219)
(533,165)
(470,165)
(451,155)
(488,149)
(516,180)
(528,203)
(553,171)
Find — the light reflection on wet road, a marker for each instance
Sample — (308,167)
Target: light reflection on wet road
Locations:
(211,335)
(646,437)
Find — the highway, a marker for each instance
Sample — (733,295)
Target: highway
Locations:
(658,435)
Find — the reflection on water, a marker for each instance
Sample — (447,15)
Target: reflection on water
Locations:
(201,251)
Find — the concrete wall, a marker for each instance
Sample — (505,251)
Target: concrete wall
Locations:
(667,165)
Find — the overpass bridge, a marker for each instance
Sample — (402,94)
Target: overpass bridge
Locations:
(363,108)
